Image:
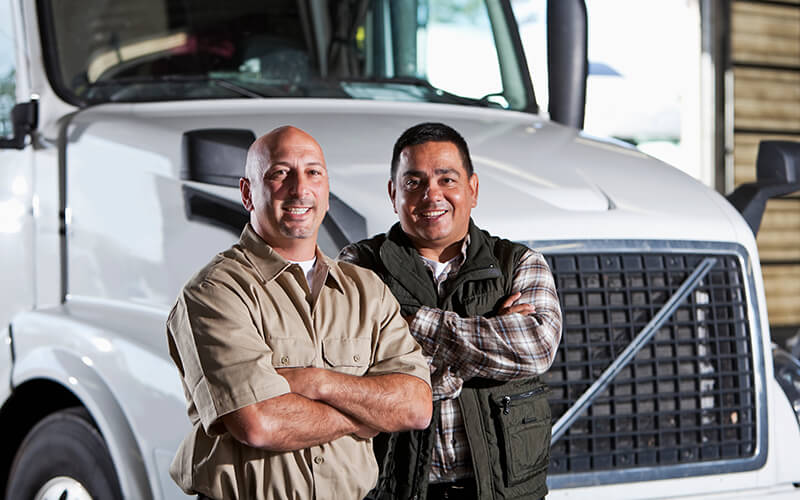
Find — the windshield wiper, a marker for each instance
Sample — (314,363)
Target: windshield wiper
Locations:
(425,84)
(227,84)
(222,82)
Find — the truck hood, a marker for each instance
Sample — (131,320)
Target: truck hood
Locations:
(538,180)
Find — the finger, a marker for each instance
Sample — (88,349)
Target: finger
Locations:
(510,300)
(524,309)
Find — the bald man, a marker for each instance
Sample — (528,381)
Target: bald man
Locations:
(290,362)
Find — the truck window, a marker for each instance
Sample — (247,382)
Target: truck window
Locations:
(7,69)
(464,24)
(152,50)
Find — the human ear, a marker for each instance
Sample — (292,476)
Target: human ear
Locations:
(473,187)
(392,194)
(244,189)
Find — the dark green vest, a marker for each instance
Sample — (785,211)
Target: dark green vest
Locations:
(507,423)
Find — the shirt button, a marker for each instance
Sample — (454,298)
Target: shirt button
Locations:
(318,460)
(356,358)
(284,360)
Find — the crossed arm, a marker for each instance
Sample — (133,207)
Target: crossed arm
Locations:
(521,340)
(211,322)
(325,405)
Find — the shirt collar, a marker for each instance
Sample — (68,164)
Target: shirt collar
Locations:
(464,247)
(270,263)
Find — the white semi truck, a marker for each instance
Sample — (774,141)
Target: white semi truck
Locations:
(118,179)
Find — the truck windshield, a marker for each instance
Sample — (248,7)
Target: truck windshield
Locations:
(445,51)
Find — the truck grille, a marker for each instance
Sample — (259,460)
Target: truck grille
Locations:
(688,396)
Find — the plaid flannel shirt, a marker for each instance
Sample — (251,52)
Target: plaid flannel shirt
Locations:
(506,347)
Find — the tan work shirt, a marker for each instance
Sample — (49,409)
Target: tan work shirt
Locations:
(250,311)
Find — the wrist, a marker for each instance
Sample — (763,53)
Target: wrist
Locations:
(407,310)
(322,385)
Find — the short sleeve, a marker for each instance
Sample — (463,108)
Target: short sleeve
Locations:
(396,350)
(223,358)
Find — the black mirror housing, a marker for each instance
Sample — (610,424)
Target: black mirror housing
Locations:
(777,174)
(778,161)
(567,55)
(24,120)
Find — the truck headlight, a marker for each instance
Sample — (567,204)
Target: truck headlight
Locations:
(787,372)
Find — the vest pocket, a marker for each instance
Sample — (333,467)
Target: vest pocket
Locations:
(524,423)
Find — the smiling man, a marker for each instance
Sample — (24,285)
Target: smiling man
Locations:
(486,313)
(290,362)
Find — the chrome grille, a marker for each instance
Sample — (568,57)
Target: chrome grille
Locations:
(688,396)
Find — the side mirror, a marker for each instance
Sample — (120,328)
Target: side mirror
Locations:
(24,119)
(777,174)
(567,60)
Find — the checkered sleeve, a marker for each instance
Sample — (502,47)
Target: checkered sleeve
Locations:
(503,347)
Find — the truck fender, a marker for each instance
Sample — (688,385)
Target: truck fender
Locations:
(107,372)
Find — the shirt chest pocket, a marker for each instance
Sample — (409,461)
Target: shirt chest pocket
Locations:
(291,352)
(347,355)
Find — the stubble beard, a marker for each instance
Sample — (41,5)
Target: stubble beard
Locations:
(296,233)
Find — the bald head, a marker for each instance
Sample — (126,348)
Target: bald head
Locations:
(270,144)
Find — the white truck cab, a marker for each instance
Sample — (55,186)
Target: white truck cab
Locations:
(126,125)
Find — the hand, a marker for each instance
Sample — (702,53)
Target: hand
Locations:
(303,381)
(508,308)
(365,432)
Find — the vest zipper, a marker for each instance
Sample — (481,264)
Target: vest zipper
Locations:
(507,400)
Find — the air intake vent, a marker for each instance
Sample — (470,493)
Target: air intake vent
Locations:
(689,394)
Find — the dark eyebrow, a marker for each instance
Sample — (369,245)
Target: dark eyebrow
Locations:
(446,171)
(437,171)
(415,173)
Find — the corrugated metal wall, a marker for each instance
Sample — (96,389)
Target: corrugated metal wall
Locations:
(765,57)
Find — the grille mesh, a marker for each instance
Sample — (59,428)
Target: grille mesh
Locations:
(688,396)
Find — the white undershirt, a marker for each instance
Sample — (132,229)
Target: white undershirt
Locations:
(438,267)
(308,269)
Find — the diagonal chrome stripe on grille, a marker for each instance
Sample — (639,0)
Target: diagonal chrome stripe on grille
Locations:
(641,339)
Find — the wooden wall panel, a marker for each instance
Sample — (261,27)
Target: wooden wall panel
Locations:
(765,34)
(766,99)
(783,294)
(765,56)
(779,236)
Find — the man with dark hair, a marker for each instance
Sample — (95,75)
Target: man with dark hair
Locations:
(486,314)
(290,362)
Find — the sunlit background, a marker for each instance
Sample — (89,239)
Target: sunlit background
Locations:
(643,85)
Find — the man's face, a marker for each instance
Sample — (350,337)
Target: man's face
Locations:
(433,196)
(287,194)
